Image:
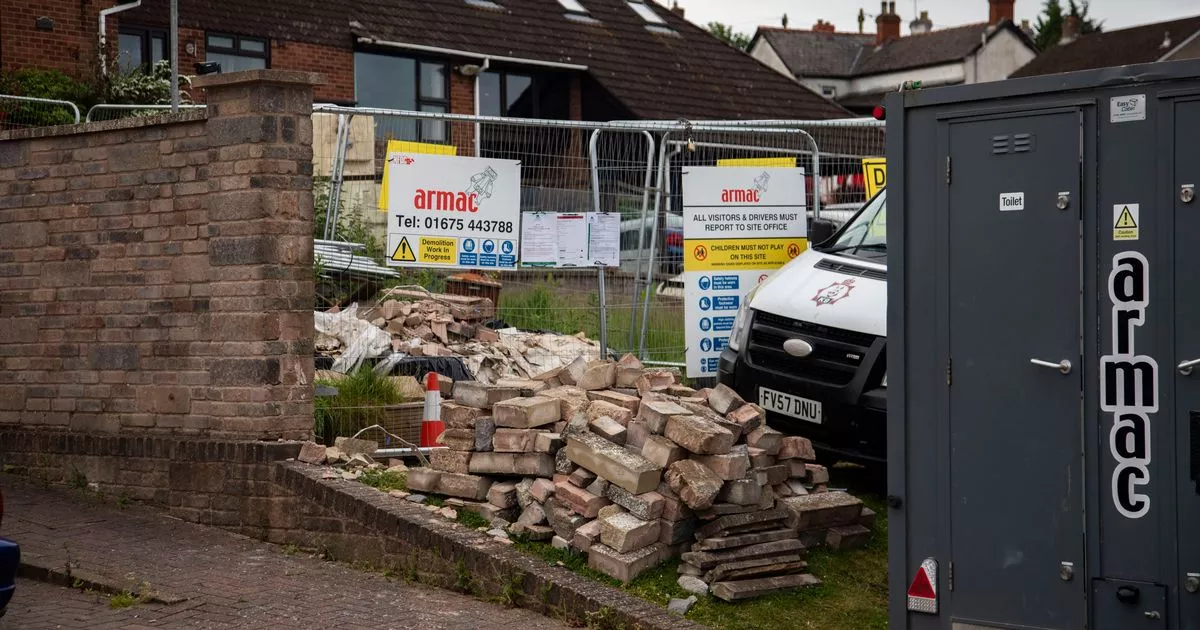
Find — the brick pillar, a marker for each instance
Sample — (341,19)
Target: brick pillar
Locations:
(259,330)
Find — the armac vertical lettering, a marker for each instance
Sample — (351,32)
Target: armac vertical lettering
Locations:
(1129,385)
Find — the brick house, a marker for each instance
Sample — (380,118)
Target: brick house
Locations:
(855,70)
(564,59)
(1173,40)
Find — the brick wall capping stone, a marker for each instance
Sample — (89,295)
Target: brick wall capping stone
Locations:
(133,122)
(273,77)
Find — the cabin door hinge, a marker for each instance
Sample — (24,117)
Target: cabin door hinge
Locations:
(949,372)
(948,169)
(950,576)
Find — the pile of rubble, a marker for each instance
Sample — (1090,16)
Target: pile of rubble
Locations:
(418,323)
(626,465)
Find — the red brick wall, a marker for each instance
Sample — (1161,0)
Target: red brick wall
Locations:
(462,101)
(70,46)
(335,64)
(156,274)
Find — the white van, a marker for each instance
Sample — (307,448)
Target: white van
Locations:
(809,346)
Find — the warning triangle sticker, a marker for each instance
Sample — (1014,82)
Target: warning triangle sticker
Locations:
(1125,220)
(404,252)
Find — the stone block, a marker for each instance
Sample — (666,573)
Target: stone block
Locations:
(615,398)
(423,480)
(598,375)
(656,413)
(661,451)
(485,430)
(674,509)
(629,370)
(458,439)
(760,458)
(743,540)
(796,447)
(647,506)
(723,399)
(632,472)
(682,391)
(771,475)
(354,446)
(727,466)
(311,453)
(625,566)
(527,386)
(635,435)
(797,469)
(598,487)
(673,533)
(456,416)
(847,536)
(750,416)
(493,512)
(533,464)
(533,514)
(547,442)
(821,511)
(867,518)
(817,474)
(481,396)
(503,494)
(739,523)
(759,567)
(581,478)
(695,484)
(526,413)
(470,487)
(741,492)
(446,460)
(562,464)
(571,400)
(608,429)
(586,535)
(541,490)
(625,532)
(601,409)
(757,587)
(562,519)
(573,371)
(581,501)
(698,435)
(536,533)
(708,559)
(514,440)
(704,411)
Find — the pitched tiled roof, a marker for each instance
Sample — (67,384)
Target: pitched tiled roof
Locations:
(1140,44)
(313,21)
(815,53)
(687,73)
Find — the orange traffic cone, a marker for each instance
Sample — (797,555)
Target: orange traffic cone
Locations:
(432,425)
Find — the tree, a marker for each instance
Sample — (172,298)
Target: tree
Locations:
(724,32)
(1049,25)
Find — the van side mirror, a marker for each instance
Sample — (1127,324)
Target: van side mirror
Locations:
(820,231)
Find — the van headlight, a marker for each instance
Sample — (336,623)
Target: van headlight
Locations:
(884,383)
(741,323)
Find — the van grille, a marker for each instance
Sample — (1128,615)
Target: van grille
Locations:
(850,270)
(836,357)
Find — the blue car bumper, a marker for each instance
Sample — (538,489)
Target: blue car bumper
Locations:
(10,559)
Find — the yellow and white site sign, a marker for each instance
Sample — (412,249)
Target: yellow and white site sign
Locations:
(739,224)
(874,175)
(453,212)
(1126,219)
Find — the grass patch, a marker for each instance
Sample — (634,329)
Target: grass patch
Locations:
(852,597)
(467,518)
(384,479)
(359,404)
(548,306)
(122,600)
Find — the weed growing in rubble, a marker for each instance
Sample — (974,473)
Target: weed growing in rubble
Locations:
(464,582)
(470,519)
(604,619)
(122,600)
(359,404)
(384,479)
(77,479)
(512,592)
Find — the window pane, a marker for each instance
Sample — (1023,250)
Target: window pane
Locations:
(253,45)
(385,81)
(130,53)
(433,80)
(236,63)
(646,12)
(519,91)
(220,41)
(433,130)
(489,94)
(158,49)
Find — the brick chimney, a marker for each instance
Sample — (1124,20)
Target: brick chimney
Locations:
(887,24)
(676,9)
(921,25)
(1070,30)
(823,27)
(1000,10)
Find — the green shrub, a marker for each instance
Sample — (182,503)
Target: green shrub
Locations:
(359,404)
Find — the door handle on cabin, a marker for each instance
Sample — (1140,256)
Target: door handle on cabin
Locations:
(1185,367)
(1063,366)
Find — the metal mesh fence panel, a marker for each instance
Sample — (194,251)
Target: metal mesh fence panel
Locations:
(21,112)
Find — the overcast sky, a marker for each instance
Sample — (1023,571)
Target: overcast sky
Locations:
(746,15)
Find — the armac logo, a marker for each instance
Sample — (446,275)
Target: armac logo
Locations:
(741,195)
(479,188)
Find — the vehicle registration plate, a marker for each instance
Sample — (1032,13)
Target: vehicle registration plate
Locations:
(789,405)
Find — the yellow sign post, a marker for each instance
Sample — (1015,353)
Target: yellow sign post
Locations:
(875,174)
